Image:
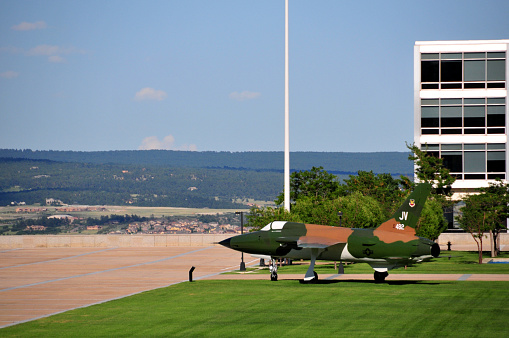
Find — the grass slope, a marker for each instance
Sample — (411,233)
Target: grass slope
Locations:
(287,308)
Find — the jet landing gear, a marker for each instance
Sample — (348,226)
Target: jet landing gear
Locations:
(380,276)
(273,270)
(311,275)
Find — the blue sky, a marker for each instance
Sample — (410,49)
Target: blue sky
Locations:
(209,75)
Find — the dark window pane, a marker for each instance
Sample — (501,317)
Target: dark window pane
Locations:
(474,111)
(451,131)
(431,147)
(428,56)
(451,122)
(475,85)
(496,100)
(429,131)
(429,102)
(496,70)
(449,56)
(496,110)
(451,71)
(494,176)
(429,71)
(475,161)
(496,85)
(496,120)
(429,122)
(452,161)
(451,85)
(430,86)
(496,166)
(496,131)
(475,131)
(451,111)
(474,122)
(475,176)
(496,55)
(496,146)
(474,116)
(451,147)
(474,146)
(475,101)
(428,112)
(475,70)
(448,102)
(496,155)
(475,55)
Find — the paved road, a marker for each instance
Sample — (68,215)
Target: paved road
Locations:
(40,282)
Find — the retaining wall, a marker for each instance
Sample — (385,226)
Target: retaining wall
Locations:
(464,241)
(459,241)
(108,241)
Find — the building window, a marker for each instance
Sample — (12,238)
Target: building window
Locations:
(479,161)
(463,116)
(463,70)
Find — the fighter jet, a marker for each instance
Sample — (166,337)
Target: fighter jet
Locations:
(393,244)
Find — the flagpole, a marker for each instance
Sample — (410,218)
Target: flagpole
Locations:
(287,118)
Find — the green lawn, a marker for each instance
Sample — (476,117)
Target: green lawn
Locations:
(288,308)
(457,262)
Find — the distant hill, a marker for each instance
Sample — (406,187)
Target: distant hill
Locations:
(339,163)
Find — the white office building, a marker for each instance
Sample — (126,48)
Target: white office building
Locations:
(461,108)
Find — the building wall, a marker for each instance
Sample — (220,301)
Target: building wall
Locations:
(460,107)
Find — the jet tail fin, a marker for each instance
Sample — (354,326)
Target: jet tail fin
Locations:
(409,212)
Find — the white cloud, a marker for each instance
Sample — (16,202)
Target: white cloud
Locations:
(245,95)
(168,143)
(49,50)
(150,94)
(29,26)
(56,59)
(54,53)
(9,74)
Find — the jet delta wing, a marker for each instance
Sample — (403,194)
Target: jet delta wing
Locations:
(391,245)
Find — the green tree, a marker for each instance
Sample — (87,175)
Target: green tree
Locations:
(431,169)
(358,211)
(432,221)
(498,195)
(316,184)
(382,187)
(475,218)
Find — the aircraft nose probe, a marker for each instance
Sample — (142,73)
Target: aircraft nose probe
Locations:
(226,242)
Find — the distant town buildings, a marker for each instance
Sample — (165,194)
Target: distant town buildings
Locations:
(181,227)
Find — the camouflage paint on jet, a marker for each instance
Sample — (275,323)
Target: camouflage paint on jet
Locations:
(391,245)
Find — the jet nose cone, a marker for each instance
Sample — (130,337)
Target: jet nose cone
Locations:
(226,242)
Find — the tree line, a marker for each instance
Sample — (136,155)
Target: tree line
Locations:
(380,162)
(367,199)
(32,182)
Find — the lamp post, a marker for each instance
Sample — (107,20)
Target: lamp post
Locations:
(340,214)
(242,264)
